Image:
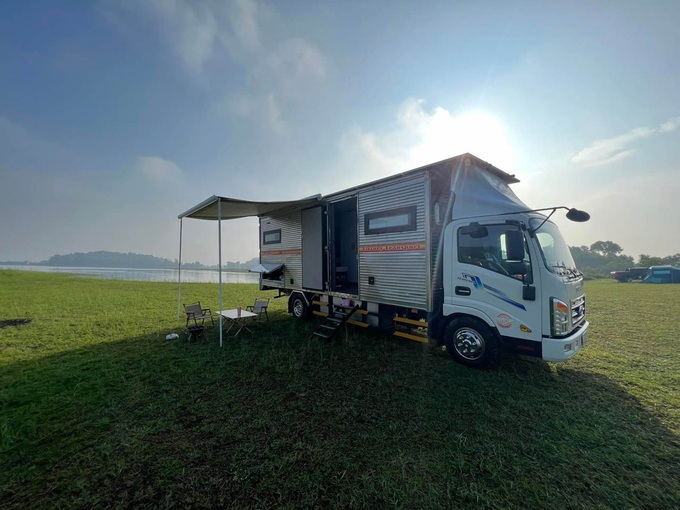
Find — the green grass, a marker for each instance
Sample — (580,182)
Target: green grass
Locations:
(98,410)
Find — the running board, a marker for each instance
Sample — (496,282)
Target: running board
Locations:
(411,329)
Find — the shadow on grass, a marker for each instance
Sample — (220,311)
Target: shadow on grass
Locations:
(275,419)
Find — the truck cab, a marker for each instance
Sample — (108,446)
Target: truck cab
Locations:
(510,282)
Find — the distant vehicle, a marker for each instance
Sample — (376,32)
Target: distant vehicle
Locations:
(663,274)
(632,273)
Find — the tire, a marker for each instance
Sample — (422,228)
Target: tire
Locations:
(299,307)
(472,343)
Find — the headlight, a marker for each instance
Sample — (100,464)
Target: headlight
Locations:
(559,312)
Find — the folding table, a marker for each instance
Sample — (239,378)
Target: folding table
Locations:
(236,319)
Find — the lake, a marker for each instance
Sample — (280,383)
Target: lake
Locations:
(147,275)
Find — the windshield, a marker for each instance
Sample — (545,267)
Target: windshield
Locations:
(555,251)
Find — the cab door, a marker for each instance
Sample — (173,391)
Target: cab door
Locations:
(486,279)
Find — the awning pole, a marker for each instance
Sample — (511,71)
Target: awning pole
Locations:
(219,257)
(179,271)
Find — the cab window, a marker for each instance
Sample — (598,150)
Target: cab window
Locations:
(488,246)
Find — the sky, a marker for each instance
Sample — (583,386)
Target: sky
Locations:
(117,116)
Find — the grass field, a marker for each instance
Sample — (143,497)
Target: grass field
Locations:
(98,410)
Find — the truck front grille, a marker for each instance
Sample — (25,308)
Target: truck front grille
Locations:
(578,311)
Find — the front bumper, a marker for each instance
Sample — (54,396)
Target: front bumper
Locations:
(561,349)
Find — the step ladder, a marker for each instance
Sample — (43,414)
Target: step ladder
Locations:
(337,316)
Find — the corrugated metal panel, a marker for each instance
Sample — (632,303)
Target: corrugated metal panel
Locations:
(290,246)
(400,276)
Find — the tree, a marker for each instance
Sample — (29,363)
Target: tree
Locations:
(673,260)
(606,248)
(648,260)
(601,258)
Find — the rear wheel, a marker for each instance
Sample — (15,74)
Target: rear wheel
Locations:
(472,343)
(299,307)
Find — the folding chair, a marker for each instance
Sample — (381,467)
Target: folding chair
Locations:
(196,312)
(260,307)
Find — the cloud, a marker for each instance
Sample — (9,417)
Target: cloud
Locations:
(280,79)
(191,29)
(296,60)
(367,156)
(208,35)
(21,148)
(196,31)
(603,152)
(157,170)
(263,109)
(245,24)
(606,151)
(421,137)
(670,125)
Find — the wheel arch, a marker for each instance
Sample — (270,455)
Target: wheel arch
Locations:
(307,298)
(472,314)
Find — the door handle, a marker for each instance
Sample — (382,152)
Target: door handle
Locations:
(463,291)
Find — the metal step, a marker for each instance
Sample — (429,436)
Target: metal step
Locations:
(333,322)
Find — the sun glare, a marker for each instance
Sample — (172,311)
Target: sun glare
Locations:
(477,132)
(483,135)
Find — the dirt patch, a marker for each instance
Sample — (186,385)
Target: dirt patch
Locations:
(13,322)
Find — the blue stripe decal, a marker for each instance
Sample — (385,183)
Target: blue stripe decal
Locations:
(477,282)
(503,296)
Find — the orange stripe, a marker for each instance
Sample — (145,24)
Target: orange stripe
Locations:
(282,252)
(373,248)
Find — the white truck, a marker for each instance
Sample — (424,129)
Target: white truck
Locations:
(447,249)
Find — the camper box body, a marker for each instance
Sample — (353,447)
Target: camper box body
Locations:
(376,244)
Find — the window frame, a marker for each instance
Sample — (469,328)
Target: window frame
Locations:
(412,225)
(265,233)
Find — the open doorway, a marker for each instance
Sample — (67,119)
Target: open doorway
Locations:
(344,263)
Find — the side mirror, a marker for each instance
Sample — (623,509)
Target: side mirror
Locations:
(514,244)
(578,216)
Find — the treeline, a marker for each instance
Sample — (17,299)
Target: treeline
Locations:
(110,259)
(132,261)
(248,264)
(602,257)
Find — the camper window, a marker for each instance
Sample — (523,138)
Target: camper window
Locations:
(271,236)
(402,219)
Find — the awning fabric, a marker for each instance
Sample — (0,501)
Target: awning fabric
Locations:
(232,208)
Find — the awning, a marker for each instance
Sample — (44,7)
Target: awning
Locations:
(266,268)
(232,208)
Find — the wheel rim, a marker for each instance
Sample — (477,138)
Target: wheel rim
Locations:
(469,344)
(298,308)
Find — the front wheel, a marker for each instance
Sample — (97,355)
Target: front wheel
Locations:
(472,343)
